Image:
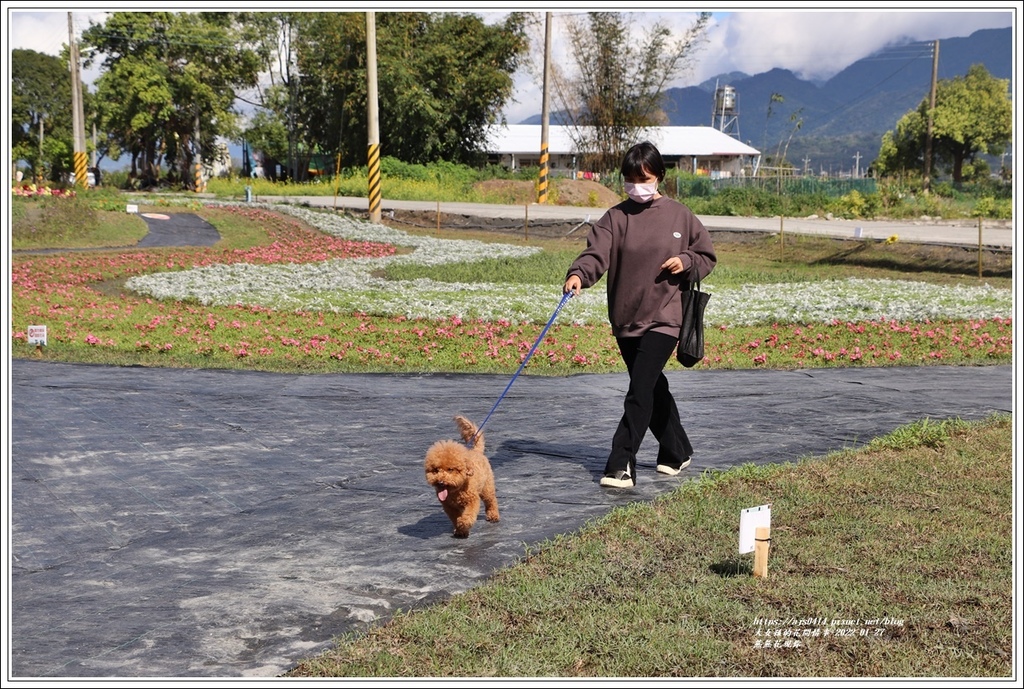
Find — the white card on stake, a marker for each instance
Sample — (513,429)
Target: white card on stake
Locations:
(750,519)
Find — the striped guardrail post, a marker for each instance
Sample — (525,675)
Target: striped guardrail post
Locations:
(373,164)
(542,185)
(81,169)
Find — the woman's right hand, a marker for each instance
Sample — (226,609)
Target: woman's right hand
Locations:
(572,284)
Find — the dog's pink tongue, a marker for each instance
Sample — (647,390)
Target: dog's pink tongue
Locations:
(442,494)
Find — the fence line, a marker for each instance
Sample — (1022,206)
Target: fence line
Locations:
(778,185)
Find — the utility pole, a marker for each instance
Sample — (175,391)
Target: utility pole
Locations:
(542,186)
(926,185)
(77,111)
(197,149)
(39,163)
(373,133)
(856,165)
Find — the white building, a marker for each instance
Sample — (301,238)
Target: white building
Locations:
(701,150)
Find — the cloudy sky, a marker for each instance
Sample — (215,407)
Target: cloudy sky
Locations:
(814,44)
(811,44)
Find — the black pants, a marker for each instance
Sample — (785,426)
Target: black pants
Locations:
(648,404)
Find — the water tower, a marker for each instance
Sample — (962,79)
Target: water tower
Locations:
(726,116)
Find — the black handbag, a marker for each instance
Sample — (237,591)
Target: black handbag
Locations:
(690,351)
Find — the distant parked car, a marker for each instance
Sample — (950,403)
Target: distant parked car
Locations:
(90,177)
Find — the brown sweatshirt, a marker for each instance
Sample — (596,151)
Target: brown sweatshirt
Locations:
(629,243)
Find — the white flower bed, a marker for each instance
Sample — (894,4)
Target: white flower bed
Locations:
(856,300)
(348,285)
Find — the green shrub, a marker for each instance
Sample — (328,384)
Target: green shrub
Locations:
(851,205)
(736,201)
(53,218)
(104,199)
(397,169)
(995,187)
(989,207)
(688,185)
(894,197)
(115,179)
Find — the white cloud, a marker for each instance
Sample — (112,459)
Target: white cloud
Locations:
(817,45)
(812,44)
(47,32)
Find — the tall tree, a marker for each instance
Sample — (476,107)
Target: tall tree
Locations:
(441,79)
(168,89)
(618,86)
(277,128)
(40,111)
(973,114)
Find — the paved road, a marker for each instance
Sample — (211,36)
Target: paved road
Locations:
(992,233)
(202,523)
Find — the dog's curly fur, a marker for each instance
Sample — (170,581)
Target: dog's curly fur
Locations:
(462,478)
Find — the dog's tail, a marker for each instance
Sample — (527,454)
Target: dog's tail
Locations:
(469,433)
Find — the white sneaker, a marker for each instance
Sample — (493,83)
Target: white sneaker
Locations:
(620,479)
(672,471)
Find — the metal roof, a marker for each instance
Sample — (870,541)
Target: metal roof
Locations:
(671,141)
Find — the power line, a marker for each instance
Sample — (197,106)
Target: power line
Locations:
(853,101)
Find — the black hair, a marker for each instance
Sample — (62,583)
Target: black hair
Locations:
(642,157)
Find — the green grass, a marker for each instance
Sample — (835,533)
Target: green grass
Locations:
(546,268)
(75,222)
(427,188)
(99,321)
(908,538)
(759,261)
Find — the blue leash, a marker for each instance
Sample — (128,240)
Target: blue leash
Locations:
(565,298)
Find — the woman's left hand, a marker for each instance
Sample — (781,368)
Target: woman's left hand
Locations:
(673,265)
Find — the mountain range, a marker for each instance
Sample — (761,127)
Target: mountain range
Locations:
(834,126)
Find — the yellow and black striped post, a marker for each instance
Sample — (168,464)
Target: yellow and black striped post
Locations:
(373,184)
(199,178)
(79,159)
(81,169)
(542,184)
(372,122)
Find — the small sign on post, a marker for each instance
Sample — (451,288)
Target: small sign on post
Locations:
(37,337)
(755,536)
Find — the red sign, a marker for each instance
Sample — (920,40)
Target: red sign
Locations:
(37,334)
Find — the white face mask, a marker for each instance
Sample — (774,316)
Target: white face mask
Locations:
(641,193)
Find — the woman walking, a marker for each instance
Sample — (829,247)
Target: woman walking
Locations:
(650,247)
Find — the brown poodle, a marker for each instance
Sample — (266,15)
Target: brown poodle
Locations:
(462,477)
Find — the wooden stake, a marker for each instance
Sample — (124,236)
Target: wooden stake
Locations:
(762,541)
(979,248)
(438,216)
(782,240)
